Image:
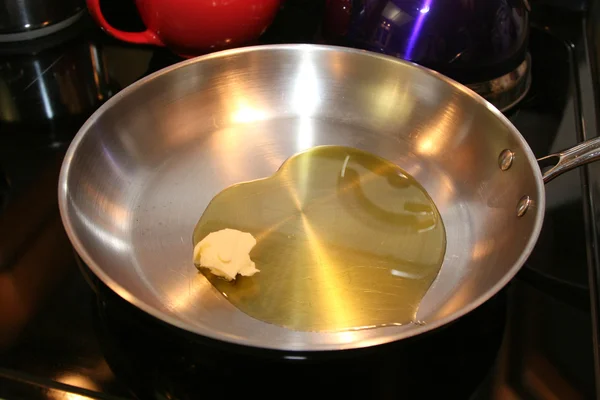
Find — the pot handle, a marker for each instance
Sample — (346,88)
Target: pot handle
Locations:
(563,161)
(145,37)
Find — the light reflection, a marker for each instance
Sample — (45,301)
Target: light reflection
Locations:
(336,303)
(242,100)
(446,192)
(119,216)
(456,301)
(246,113)
(427,146)
(75,380)
(182,299)
(306,92)
(436,134)
(338,68)
(229,146)
(177,126)
(273,228)
(414,36)
(71,396)
(393,100)
(481,249)
(101,234)
(294,357)
(94,57)
(42,88)
(347,337)
(305,135)
(112,162)
(406,275)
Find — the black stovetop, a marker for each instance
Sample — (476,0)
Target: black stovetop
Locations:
(57,340)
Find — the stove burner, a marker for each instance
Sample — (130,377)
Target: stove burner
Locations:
(158,361)
(507,90)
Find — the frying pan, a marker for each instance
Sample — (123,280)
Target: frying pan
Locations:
(142,169)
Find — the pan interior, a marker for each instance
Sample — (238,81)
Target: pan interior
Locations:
(144,167)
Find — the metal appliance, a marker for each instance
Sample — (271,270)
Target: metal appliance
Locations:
(482,44)
(29,19)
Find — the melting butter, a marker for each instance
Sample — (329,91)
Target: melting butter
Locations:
(345,240)
(226,253)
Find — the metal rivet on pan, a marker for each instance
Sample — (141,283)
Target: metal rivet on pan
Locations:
(506,159)
(523,205)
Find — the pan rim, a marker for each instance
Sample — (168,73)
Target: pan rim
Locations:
(63,195)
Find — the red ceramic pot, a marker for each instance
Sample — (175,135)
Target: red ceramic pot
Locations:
(193,27)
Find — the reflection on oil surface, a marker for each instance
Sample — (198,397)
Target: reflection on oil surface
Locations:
(345,240)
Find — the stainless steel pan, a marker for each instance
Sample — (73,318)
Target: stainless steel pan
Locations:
(142,169)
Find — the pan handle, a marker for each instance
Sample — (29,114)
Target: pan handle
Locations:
(563,161)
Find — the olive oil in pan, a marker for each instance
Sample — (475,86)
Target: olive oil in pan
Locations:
(345,240)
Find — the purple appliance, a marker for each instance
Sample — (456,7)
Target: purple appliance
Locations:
(482,44)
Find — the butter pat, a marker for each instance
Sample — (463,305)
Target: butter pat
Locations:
(226,253)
